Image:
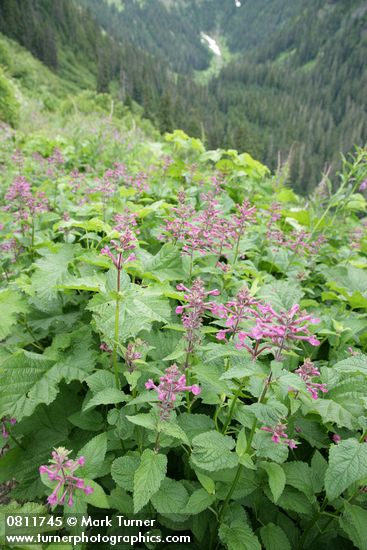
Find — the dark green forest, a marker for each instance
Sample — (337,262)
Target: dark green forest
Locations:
(292,88)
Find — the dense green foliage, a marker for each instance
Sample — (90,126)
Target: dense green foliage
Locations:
(88,329)
(296,82)
(8,104)
(293,88)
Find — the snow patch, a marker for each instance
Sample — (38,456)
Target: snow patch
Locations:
(212,44)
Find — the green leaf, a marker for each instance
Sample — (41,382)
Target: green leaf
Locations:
(139,308)
(146,420)
(167,265)
(274,538)
(173,429)
(347,465)
(330,411)
(109,396)
(282,295)
(299,476)
(276,477)
(11,303)
(239,537)
(199,501)
(295,501)
(269,413)
(171,498)
(318,469)
(28,379)
(95,283)
(94,453)
(206,481)
(50,271)
(354,522)
(123,470)
(356,364)
(212,451)
(98,498)
(266,448)
(148,477)
(195,424)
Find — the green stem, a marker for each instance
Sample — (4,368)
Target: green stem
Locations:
(231,410)
(116,335)
(188,400)
(156,445)
(248,447)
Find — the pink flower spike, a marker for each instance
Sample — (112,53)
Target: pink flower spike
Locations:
(88,490)
(336,438)
(195,390)
(52,499)
(149,384)
(179,310)
(81,460)
(221,335)
(80,483)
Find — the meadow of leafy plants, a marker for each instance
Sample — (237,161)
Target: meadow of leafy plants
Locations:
(183,339)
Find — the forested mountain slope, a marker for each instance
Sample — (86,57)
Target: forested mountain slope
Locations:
(294,84)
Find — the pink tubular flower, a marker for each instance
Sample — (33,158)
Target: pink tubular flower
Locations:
(363,185)
(104,347)
(192,312)
(170,385)
(279,435)
(279,328)
(336,438)
(61,469)
(307,371)
(4,428)
(127,242)
(131,355)
(234,311)
(22,201)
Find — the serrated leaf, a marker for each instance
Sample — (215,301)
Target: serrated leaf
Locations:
(123,470)
(94,453)
(138,309)
(195,424)
(50,270)
(353,364)
(167,264)
(11,304)
(330,411)
(206,481)
(347,465)
(29,379)
(239,537)
(354,522)
(276,478)
(171,498)
(299,476)
(274,538)
(199,501)
(148,477)
(109,396)
(173,429)
(213,451)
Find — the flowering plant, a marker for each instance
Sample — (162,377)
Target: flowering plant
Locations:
(203,356)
